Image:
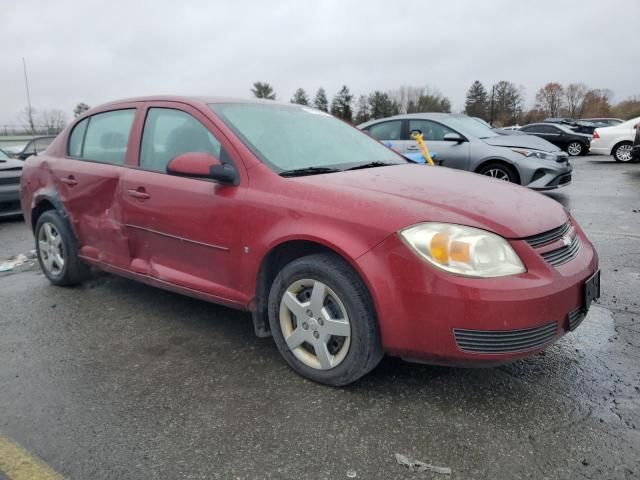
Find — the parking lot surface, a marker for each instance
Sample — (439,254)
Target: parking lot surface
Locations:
(114,379)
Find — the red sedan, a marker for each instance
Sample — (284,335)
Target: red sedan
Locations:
(341,249)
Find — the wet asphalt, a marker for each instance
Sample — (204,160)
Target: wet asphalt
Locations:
(117,380)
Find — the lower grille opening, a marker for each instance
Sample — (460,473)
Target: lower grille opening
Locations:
(575,318)
(504,341)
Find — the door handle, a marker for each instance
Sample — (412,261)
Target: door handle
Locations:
(70,180)
(140,194)
(412,147)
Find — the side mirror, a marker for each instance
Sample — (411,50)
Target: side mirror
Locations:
(453,137)
(202,165)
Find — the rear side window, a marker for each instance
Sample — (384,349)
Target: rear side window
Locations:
(386,130)
(169,133)
(103,137)
(76,139)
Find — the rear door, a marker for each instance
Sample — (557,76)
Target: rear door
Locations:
(548,132)
(390,132)
(183,231)
(453,154)
(88,182)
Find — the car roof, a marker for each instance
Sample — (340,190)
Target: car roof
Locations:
(191,99)
(421,115)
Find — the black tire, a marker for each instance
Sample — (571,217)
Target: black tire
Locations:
(575,149)
(619,152)
(365,348)
(74,270)
(499,168)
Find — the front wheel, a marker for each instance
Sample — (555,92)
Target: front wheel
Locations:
(622,152)
(499,171)
(575,148)
(323,320)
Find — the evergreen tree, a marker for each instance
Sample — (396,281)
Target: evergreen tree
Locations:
(380,105)
(477,101)
(263,90)
(362,111)
(300,97)
(341,104)
(320,101)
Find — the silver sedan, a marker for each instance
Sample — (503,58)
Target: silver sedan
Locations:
(464,143)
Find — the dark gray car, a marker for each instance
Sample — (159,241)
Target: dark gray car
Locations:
(10,171)
(464,143)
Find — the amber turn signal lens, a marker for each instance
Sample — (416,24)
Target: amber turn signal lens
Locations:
(440,248)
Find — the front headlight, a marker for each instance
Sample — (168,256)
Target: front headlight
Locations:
(535,153)
(466,251)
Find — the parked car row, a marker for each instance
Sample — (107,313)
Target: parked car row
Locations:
(466,144)
(572,142)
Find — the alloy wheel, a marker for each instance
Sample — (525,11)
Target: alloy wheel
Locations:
(315,324)
(498,174)
(50,249)
(574,149)
(623,153)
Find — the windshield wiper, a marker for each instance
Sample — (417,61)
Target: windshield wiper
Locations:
(298,172)
(370,165)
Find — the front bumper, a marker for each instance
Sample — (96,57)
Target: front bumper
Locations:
(420,307)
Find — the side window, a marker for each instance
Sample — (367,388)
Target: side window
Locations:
(42,144)
(169,133)
(76,138)
(433,131)
(532,129)
(107,136)
(386,130)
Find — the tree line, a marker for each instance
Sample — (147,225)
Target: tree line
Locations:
(503,104)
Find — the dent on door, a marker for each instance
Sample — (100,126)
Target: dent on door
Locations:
(94,207)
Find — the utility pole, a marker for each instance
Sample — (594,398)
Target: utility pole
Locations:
(493,94)
(26,82)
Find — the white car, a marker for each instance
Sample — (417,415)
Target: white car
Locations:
(616,141)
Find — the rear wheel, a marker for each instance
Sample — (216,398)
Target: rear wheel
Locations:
(622,152)
(323,320)
(499,171)
(575,148)
(57,250)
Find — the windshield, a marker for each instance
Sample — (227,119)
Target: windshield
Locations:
(470,127)
(291,137)
(3,156)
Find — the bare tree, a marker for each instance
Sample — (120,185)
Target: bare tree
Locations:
(550,99)
(406,97)
(80,109)
(574,94)
(53,120)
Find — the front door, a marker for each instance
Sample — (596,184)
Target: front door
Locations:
(452,154)
(182,231)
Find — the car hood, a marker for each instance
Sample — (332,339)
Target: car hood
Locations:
(14,148)
(522,141)
(11,164)
(393,198)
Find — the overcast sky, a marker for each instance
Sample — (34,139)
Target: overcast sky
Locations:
(95,51)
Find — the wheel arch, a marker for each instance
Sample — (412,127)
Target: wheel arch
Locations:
(502,161)
(275,259)
(618,143)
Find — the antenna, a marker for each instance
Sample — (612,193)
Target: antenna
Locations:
(33,129)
